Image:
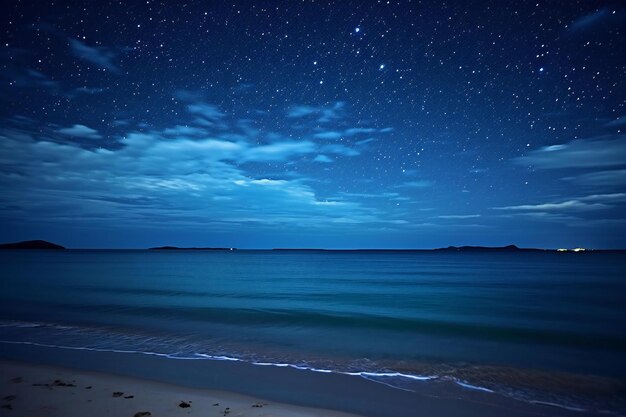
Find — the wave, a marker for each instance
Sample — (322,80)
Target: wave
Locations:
(525,385)
(322,319)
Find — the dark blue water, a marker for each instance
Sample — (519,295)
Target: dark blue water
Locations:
(540,327)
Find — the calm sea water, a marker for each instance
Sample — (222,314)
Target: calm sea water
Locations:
(540,327)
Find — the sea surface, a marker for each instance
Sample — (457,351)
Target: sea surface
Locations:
(539,327)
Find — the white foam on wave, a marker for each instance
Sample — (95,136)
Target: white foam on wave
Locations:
(474,387)
(394,375)
(200,356)
(551,404)
(377,377)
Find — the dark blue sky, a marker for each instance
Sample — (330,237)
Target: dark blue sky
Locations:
(345,124)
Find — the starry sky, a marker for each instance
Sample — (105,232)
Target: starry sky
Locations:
(347,124)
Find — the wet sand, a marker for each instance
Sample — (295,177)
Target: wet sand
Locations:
(38,390)
(177,380)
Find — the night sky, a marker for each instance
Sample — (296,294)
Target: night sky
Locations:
(348,124)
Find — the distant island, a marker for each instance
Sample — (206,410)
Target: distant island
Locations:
(31,244)
(177,248)
(42,244)
(509,248)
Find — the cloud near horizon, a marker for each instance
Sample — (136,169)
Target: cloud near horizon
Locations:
(184,174)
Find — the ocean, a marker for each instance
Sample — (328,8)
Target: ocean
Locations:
(537,327)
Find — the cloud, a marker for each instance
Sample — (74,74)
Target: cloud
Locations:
(183,175)
(301,111)
(590,20)
(365,141)
(578,204)
(416,184)
(610,178)
(101,56)
(279,151)
(153,179)
(321,113)
(323,159)
(620,121)
(332,113)
(328,135)
(189,95)
(607,198)
(184,131)
(359,130)
(207,111)
(88,90)
(386,195)
(80,131)
(580,153)
(569,205)
(30,78)
(340,150)
(458,216)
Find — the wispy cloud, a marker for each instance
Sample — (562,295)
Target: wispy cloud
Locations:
(328,135)
(416,184)
(184,174)
(301,111)
(569,205)
(30,78)
(207,111)
(359,130)
(458,216)
(80,131)
(322,114)
(279,151)
(340,150)
(620,121)
(609,178)
(323,159)
(590,20)
(578,204)
(87,90)
(184,131)
(580,153)
(101,56)
(176,177)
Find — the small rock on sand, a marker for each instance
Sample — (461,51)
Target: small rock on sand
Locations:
(59,383)
(143,414)
(183,404)
(118,394)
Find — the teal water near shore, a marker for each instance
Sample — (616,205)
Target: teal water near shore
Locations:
(538,327)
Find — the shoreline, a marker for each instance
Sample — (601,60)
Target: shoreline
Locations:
(28,389)
(316,392)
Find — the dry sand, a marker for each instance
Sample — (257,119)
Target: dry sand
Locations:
(33,390)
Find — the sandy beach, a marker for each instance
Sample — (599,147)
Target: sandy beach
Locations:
(37,390)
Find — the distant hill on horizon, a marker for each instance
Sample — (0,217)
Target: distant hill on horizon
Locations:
(42,244)
(192,248)
(508,248)
(32,244)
